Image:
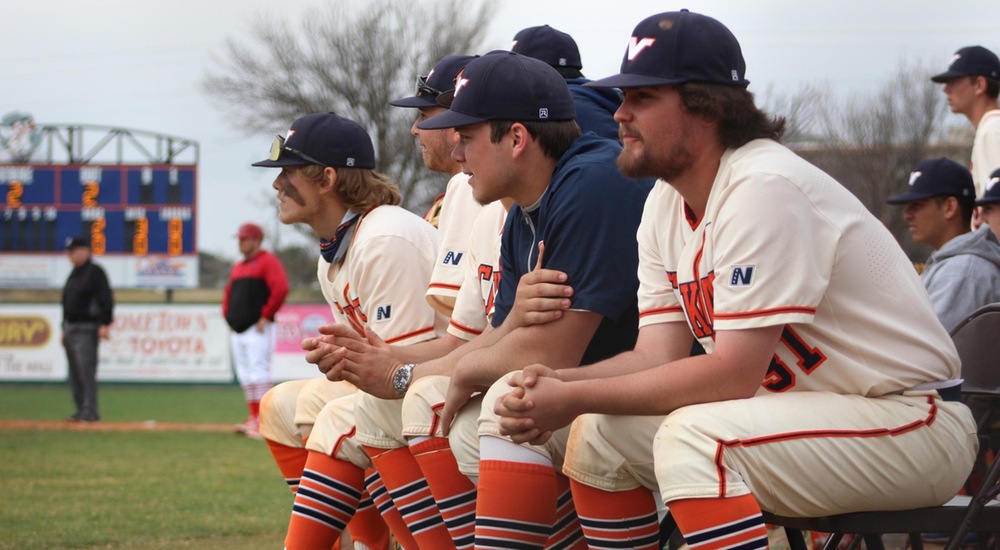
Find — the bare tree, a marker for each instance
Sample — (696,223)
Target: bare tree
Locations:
(870,143)
(351,61)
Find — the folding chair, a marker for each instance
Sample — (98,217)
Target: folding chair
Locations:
(977,339)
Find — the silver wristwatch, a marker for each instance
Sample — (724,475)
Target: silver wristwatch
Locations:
(401,380)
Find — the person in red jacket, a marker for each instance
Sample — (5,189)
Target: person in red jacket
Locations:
(255,292)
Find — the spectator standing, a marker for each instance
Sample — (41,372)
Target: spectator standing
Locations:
(972,83)
(255,292)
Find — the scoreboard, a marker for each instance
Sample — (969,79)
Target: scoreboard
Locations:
(141,220)
(124,209)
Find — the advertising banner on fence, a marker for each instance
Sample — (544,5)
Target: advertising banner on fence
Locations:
(295,322)
(149,343)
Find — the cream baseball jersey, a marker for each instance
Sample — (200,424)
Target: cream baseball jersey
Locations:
(474,304)
(986,150)
(458,212)
(856,317)
(382,279)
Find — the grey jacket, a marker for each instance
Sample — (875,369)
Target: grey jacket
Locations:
(963,275)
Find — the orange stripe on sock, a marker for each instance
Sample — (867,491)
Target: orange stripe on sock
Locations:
(412,497)
(325,502)
(612,518)
(386,508)
(503,512)
(566,531)
(290,461)
(454,493)
(368,527)
(710,523)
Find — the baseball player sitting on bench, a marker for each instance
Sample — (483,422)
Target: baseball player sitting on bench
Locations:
(522,131)
(827,383)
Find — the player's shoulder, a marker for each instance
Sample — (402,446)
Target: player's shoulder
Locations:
(394,221)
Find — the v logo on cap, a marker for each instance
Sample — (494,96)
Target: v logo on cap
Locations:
(460,83)
(914,176)
(635,46)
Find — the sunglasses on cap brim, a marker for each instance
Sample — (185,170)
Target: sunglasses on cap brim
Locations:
(424,88)
(279,145)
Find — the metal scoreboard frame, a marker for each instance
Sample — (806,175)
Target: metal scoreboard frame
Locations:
(133,193)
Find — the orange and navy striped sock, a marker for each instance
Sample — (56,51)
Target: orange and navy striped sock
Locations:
(711,523)
(409,491)
(387,509)
(368,527)
(566,532)
(454,492)
(504,517)
(290,460)
(621,519)
(325,502)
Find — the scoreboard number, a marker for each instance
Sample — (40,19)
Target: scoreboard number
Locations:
(175,237)
(140,240)
(98,242)
(91,190)
(15,190)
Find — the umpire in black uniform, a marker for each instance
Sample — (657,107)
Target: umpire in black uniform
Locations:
(87,313)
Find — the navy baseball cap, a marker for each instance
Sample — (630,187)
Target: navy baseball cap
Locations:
(552,46)
(503,85)
(992,192)
(677,47)
(971,61)
(76,241)
(326,139)
(441,79)
(935,178)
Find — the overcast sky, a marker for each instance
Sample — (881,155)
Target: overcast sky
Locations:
(138,63)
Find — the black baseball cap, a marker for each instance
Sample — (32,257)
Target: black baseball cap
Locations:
(936,178)
(677,47)
(971,61)
(76,241)
(552,46)
(504,85)
(441,79)
(992,189)
(326,139)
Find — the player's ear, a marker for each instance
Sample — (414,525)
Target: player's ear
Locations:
(520,138)
(329,180)
(951,208)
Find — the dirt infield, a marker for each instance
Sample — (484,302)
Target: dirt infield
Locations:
(147,426)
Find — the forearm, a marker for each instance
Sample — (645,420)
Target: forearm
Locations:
(445,364)
(425,351)
(528,345)
(734,371)
(658,390)
(623,364)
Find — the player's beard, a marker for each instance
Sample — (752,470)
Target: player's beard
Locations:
(670,165)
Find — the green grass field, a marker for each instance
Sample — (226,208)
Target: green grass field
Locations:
(90,489)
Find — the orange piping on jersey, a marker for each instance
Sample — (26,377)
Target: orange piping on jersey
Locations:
(410,334)
(445,286)
(341,439)
(465,329)
(766,312)
(660,311)
(690,216)
(437,408)
(817,434)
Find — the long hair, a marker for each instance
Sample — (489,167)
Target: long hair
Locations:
(360,189)
(739,120)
